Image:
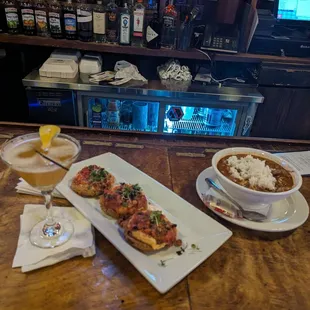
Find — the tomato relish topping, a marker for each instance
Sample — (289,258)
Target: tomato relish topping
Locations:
(154,224)
(125,193)
(93,173)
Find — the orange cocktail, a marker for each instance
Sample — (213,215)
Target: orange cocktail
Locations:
(42,160)
(35,169)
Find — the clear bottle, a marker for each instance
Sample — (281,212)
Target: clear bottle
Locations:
(153,33)
(41,18)
(168,39)
(113,115)
(124,25)
(112,22)
(85,21)
(12,18)
(138,24)
(70,20)
(99,20)
(28,17)
(55,19)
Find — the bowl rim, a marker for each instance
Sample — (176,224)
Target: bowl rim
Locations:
(298,176)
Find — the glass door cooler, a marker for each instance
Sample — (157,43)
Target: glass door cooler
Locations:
(221,117)
(122,114)
(200,121)
(198,110)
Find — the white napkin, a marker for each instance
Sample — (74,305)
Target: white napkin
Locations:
(24,188)
(264,210)
(30,257)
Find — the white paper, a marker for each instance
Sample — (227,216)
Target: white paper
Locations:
(300,160)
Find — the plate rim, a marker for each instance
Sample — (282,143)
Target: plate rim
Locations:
(243,223)
(161,286)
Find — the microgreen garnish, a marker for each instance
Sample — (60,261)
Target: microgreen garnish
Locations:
(98,175)
(129,192)
(182,250)
(155,217)
(195,247)
(162,263)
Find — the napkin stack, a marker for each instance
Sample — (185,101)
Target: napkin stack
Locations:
(30,257)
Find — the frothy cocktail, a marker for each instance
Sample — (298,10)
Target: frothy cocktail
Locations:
(32,167)
(42,159)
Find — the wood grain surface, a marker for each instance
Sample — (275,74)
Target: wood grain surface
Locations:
(251,271)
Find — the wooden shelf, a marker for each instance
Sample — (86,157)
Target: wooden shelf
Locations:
(109,48)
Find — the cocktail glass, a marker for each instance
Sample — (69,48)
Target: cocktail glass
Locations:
(20,154)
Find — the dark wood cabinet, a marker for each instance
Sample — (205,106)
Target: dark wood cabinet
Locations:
(285,113)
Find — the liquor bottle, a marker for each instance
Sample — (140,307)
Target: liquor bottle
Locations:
(153,33)
(85,21)
(125,26)
(152,5)
(56,20)
(150,9)
(138,24)
(27,12)
(41,18)
(99,16)
(112,22)
(70,20)
(12,18)
(168,39)
(130,4)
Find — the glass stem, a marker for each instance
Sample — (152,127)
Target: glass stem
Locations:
(48,204)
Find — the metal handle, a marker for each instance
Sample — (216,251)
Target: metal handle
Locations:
(212,184)
(247,124)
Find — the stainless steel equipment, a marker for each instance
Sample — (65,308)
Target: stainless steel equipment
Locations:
(199,110)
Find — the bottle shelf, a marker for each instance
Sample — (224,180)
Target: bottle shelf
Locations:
(97,47)
(131,50)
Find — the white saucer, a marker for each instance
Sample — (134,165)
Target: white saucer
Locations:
(284,215)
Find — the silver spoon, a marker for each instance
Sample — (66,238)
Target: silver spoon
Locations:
(249,215)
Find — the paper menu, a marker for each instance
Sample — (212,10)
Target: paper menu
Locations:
(300,160)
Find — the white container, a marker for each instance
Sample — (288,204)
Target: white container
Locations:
(61,68)
(249,198)
(67,54)
(90,65)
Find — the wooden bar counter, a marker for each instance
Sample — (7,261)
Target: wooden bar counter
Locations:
(251,271)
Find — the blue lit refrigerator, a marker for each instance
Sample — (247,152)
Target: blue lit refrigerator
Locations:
(219,115)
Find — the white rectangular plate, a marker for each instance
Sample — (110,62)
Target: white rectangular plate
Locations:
(194,227)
